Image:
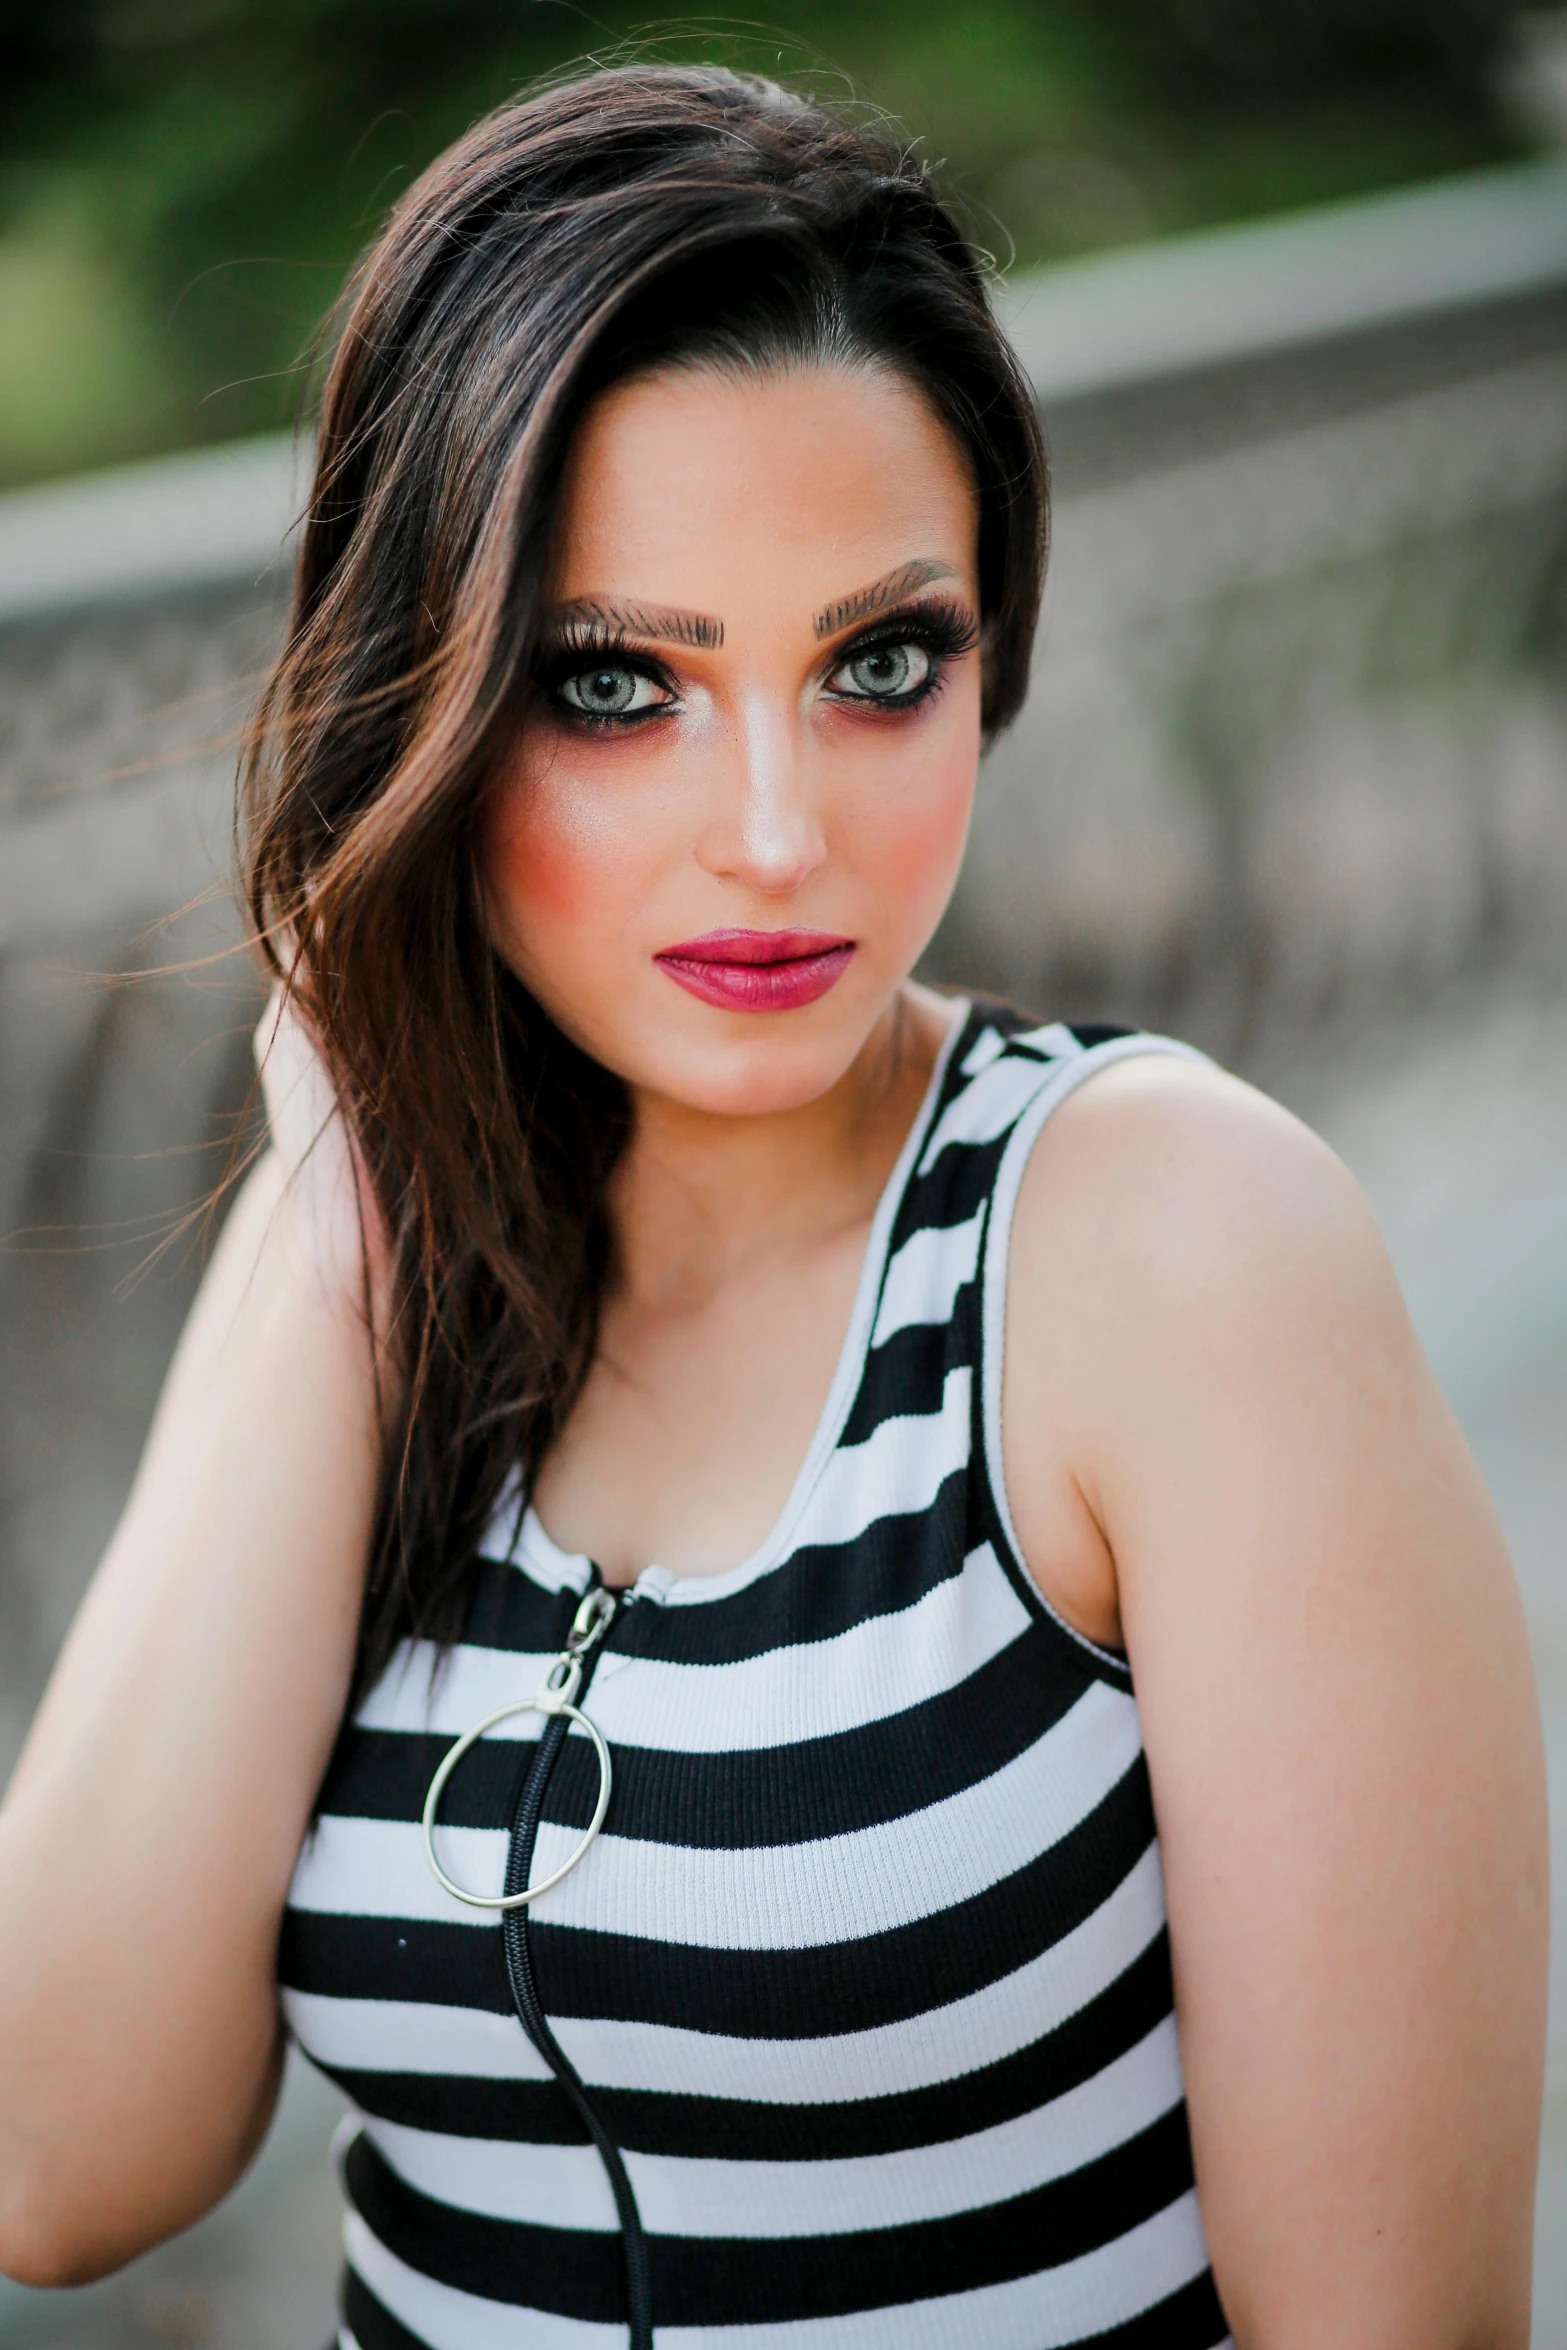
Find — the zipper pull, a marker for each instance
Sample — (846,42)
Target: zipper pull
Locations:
(563,1682)
(558,1694)
(592,1620)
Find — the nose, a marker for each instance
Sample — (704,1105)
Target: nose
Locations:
(765,829)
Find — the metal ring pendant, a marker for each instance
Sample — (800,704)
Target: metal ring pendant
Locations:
(544,1703)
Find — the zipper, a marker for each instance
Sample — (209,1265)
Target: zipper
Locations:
(555,1698)
(568,1681)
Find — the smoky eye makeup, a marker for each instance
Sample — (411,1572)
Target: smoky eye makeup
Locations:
(589,673)
(592,675)
(903,656)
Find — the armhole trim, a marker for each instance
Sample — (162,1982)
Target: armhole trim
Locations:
(993,1298)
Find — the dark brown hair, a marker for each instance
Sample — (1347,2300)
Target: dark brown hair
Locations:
(633,218)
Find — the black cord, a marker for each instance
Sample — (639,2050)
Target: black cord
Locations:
(530,2014)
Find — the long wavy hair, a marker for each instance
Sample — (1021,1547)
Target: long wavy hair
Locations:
(630,219)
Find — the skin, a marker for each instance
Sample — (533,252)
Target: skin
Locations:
(758,798)
(1221,1445)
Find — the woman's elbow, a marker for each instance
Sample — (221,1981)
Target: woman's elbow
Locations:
(46,2237)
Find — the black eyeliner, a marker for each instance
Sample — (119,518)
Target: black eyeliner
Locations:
(945,628)
(941,627)
(581,645)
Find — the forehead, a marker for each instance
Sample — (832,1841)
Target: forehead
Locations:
(690,484)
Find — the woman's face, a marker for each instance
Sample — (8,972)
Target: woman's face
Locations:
(738,801)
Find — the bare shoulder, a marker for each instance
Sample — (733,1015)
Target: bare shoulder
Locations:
(1190,1269)
(1227,1457)
(1169,1187)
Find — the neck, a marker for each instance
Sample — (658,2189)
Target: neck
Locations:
(696,1194)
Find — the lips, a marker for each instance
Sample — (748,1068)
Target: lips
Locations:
(759,970)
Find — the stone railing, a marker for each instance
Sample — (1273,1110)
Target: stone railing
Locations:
(1298,739)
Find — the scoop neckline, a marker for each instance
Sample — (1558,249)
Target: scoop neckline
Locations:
(536,1550)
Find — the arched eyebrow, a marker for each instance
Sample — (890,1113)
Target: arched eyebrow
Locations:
(657,621)
(881,594)
(660,622)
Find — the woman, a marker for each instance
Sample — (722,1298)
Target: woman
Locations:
(753,1390)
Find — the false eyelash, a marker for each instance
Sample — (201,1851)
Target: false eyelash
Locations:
(581,643)
(589,644)
(946,631)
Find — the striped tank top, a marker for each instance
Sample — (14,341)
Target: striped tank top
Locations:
(867,1974)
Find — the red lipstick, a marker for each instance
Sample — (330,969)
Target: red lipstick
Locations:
(758,970)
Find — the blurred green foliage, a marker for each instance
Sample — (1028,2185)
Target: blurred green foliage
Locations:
(183,182)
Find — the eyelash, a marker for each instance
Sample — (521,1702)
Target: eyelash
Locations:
(585,647)
(944,630)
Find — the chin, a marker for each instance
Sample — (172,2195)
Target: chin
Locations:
(736,1065)
(748,1079)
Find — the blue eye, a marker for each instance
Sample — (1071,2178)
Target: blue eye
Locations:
(883,673)
(610,690)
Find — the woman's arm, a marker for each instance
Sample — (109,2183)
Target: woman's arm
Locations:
(1336,1696)
(150,1832)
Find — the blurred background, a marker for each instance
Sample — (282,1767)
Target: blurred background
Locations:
(1292,285)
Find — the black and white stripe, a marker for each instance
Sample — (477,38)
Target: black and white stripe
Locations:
(867,1973)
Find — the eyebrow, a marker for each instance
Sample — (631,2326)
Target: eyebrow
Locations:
(663,623)
(658,621)
(880,594)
